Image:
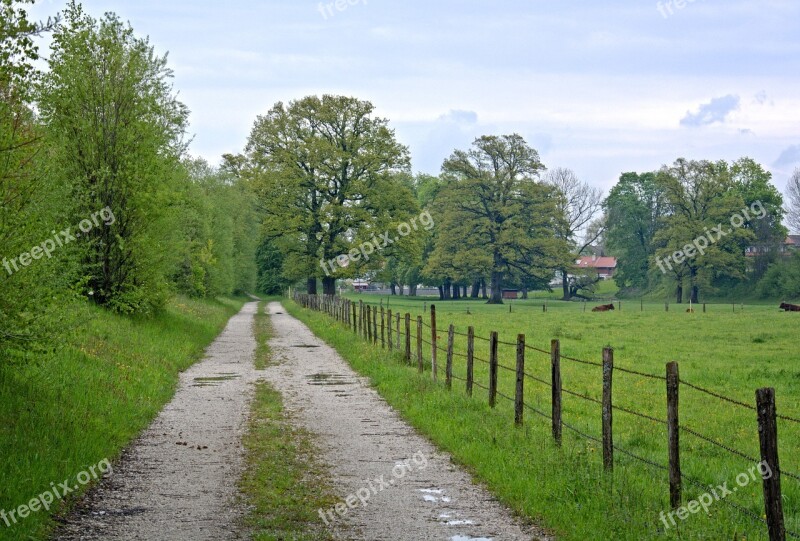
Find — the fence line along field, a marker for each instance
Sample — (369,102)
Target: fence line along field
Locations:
(719,358)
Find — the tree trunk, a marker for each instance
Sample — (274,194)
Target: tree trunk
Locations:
(679,293)
(311,286)
(483,288)
(400,289)
(412,290)
(456,292)
(393,287)
(441,292)
(447,290)
(695,290)
(329,285)
(464,291)
(476,289)
(565,286)
(497,288)
(524,292)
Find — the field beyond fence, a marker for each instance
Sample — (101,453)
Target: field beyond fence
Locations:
(591,398)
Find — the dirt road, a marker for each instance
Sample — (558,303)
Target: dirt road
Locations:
(178,480)
(393,483)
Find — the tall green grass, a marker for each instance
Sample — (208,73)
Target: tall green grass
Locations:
(732,353)
(65,411)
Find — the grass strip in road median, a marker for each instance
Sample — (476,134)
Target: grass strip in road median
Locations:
(284,483)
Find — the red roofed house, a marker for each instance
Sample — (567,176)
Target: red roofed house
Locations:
(602,264)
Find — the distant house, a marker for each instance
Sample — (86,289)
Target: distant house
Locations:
(511,293)
(791,243)
(604,265)
(360,285)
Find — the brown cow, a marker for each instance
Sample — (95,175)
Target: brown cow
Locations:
(786,307)
(603,308)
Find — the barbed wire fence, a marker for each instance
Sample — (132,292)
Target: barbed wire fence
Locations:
(374,322)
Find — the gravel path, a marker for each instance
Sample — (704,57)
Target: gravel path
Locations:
(393,483)
(178,480)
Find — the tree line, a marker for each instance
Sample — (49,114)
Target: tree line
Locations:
(329,175)
(99,197)
(101,200)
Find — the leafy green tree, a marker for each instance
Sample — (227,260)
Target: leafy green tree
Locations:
(634,209)
(116,129)
(702,196)
(496,218)
(754,184)
(30,282)
(326,171)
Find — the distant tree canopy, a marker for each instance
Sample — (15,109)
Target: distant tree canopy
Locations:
(691,223)
(329,176)
(496,219)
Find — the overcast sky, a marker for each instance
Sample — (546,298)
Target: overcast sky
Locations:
(598,87)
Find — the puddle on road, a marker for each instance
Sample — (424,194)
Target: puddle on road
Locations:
(330,379)
(213,381)
(434,495)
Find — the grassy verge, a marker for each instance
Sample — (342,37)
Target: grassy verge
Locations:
(284,484)
(566,487)
(64,412)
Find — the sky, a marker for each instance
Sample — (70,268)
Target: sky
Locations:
(601,88)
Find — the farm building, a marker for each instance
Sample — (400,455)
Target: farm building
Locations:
(604,265)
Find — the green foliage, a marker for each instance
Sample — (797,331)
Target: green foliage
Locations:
(117,149)
(494,217)
(326,171)
(634,208)
(782,279)
(218,227)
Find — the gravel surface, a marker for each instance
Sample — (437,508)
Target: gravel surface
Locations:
(178,480)
(394,484)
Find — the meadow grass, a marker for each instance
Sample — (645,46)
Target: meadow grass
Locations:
(65,411)
(284,483)
(732,353)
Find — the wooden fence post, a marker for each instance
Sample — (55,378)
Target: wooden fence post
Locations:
(704,308)
(369,323)
(673,435)
(397,334)
(420,366)
(666,307)
(355,317)
(374,324)
(641,305)
(768,436)
(408,337)
(519,398)
(470,359)
(434,368)
(555,364)
(383,329)
(360,317)
(608,438)
(493,369)
(448,367)
(389,318)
